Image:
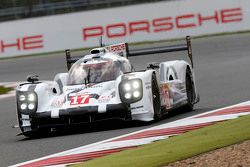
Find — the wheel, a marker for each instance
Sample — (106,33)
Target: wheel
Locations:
(156,98)
(190,90)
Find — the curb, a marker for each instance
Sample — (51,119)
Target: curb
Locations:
(142,137)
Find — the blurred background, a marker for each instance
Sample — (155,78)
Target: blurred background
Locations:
(19,9)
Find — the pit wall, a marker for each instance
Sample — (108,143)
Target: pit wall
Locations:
(137,23)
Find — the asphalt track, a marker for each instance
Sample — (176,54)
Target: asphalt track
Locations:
(222,74)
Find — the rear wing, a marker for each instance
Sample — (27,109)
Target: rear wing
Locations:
(122,50)
(164,49)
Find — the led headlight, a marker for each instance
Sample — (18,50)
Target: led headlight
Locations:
(22,98)
(136,84)
(127,95)
(130,90)
(31,106)
(23,106)
(31,97)
(27,101)
(127,87)
(136,94)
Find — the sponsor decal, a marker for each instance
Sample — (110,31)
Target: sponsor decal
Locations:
(75,89)
(164,91)
(138,110)
(120,49)
(95,86)
(117,48)
(58,102)
(104,98)
(81,99)
(148,85)
(113,94)
(137,107)
(78,89)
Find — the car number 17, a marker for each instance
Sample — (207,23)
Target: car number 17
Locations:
(81,99)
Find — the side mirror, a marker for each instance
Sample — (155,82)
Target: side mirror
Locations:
(154,65)
(32,78)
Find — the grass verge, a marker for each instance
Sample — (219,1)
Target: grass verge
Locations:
(179,147)
(4,90)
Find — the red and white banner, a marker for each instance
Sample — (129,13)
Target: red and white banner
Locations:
(146,22)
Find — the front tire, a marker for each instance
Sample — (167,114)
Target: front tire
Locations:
(156,98)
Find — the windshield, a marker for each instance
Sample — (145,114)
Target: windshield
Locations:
(94,71)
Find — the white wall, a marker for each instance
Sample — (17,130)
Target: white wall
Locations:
(147,22)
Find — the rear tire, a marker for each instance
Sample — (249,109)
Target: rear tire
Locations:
(156,98)
(189,90)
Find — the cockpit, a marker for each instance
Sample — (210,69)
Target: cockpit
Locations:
(94,71)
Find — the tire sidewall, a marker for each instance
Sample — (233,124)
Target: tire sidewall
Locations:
(156,94)
(190,90)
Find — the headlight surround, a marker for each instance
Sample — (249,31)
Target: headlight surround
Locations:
(131,90)
(26,101)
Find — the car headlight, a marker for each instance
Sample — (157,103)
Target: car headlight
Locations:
(22,98)
(31,106)
(23,106)
(130,90)
(31,97)
(26,101)
(136,94)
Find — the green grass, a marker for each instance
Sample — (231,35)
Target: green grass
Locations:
(180,147)
(4,90)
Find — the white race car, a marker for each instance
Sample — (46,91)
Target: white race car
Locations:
(104,85)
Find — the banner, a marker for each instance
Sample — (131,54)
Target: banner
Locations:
(136,23)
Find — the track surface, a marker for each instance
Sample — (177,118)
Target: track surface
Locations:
(222,74)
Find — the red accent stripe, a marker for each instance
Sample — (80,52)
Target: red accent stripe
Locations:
(74,158)
(233,110)
(164,132)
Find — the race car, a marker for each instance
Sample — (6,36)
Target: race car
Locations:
(104,85)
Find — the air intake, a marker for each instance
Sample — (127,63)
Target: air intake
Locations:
(97,51)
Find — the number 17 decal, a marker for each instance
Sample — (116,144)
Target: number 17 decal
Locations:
(81,99)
